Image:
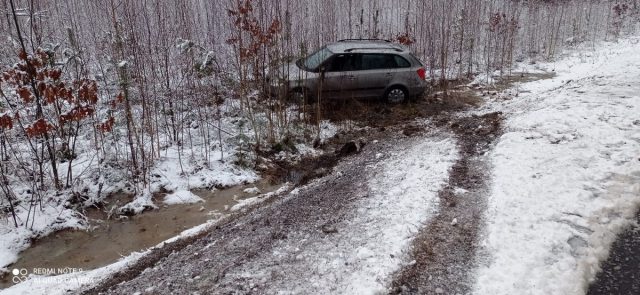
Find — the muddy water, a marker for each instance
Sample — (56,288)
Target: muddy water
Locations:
(108,240)
(509,81)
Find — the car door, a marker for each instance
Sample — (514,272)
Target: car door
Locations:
(377,70)
(338,79)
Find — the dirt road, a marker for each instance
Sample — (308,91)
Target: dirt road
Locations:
(348,231)
(401,212)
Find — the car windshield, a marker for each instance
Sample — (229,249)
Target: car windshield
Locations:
(313,61)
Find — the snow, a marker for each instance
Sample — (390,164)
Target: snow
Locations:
(179,174)
(260,198)
(566,175)
(252,190)
(175,173)
(327,130)
(181,167)
(141,203)
(483,79)
(184,44)
(92,179)
(400,202)
(181,197)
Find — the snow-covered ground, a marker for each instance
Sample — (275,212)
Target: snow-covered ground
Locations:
(405,197)
(566,174)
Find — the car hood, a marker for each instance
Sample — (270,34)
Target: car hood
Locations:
(291,71)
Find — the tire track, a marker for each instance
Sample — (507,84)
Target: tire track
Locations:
(445,249)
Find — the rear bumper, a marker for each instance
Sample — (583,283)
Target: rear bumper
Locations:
(418,90)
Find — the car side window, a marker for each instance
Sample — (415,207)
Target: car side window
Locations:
(401,62)
(343,63)
(378,61)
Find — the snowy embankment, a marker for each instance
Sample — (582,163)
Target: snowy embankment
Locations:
(566,175)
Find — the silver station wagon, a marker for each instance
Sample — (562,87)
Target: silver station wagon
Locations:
(352,69)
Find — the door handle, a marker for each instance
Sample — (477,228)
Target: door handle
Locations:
(351,77)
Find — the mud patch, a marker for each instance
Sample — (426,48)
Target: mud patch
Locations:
(445,249)
(508,81)
(378,114)
(210,262)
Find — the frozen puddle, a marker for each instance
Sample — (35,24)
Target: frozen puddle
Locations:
(110,240)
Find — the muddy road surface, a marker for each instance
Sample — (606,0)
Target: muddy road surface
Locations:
(299,242)
(349,228)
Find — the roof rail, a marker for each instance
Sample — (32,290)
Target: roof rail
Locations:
(374,48)
(372,39)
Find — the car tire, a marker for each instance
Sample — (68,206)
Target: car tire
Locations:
(396,94)
(296,96)
(299,96)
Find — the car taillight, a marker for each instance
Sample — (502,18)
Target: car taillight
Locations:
(422,74)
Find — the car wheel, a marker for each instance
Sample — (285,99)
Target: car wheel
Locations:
(396,94)
(300,96)
(297,96)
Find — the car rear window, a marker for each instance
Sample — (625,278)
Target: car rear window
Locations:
(383,61)
(378,61)
(402,62)
(416,60)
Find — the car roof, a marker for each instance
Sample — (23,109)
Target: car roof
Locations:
(361,45)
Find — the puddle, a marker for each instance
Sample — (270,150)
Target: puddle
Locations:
(112,239)
(508,81)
